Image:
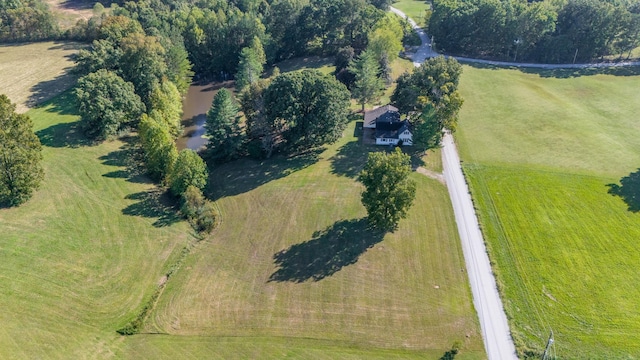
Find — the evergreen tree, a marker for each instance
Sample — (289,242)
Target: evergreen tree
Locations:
(367,87)
(251,64)
(223,127)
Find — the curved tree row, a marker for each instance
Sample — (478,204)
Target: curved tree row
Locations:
(542,31)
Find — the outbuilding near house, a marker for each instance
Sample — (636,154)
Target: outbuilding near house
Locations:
(389,129)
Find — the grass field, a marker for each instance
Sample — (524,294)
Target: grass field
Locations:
(292,270)
(78,260)
(68,12)
(413,8)
(539,150)
(33,73)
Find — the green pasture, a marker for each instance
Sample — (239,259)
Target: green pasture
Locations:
(33,73)
(203,347)
(293,270)
(79,259)
(541,150)
(414,9)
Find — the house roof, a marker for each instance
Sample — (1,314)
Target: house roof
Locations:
(386,113)
(391,130)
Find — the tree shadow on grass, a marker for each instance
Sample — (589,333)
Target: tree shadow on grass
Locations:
(129,157)
(63,135)
(154,204)
(244,175)
(326,253)
(48,89)
(350,159)
(628,190)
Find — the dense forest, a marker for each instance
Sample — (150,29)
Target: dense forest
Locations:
(550,31)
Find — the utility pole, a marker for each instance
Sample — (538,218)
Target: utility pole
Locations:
(545,355)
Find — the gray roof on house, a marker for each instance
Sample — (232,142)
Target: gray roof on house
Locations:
(391,130)
(386,113)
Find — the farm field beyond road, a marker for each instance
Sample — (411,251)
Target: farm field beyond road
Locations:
(414,9)
(33,73)
(540,150)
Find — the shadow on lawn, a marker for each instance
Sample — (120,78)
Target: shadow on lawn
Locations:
(628,190)
(328,252)
(154,203)
(244,175)
(567,73)
(48,89)
(130,158)
(350,159)
(63,135)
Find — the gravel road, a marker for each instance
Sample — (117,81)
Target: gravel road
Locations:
(493,321)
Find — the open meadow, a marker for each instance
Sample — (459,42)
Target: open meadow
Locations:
(33,73)
(79,260)
(415,9)
(293,271)
(542,151)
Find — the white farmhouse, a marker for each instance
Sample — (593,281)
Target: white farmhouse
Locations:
(389,129)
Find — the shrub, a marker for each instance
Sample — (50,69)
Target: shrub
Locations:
(199,211)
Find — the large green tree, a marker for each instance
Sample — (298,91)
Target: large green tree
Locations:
(188,170)
(389,193)
(223,127)
(368,86)
(386,39)
(167,101)
(251,65)
(435,84)
(106,102)
(307,108)
(20,156)
(159,148)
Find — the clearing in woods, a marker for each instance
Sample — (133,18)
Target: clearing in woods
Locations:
(540,150)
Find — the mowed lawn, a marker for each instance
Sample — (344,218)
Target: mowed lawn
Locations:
(414,9)
(33,73)
(539,150)
(79,259)
(293,271)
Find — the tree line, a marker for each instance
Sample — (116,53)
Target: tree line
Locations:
(539,31)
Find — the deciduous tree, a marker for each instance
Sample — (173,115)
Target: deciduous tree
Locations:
(20,156)
(307,108)
(167,101)
(106,102)
(389,193)
(434,83)
(188,170)
(159,148)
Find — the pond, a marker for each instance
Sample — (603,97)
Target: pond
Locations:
(195,105)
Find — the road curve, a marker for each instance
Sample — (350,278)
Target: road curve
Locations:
(493,321)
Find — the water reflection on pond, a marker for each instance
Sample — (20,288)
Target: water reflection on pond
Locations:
(194,107)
